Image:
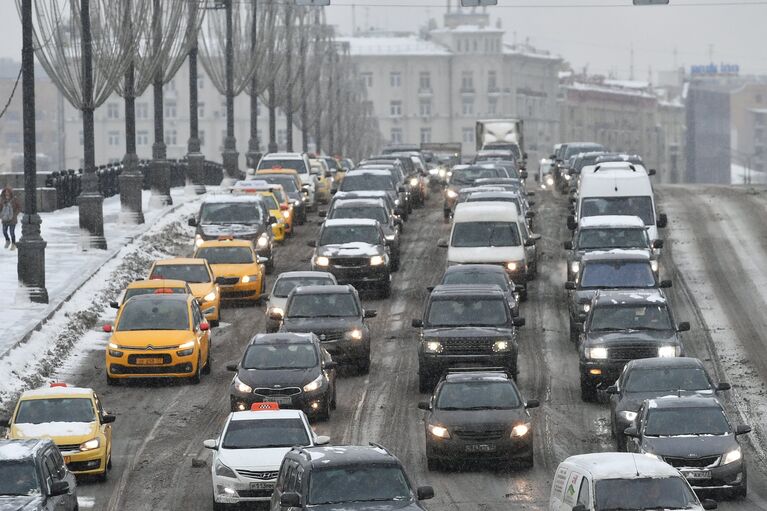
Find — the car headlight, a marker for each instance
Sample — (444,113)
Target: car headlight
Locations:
(321,261)
(439,431)
(586,307)
(515,265)
(520,430)
(732,456)
(451,194)
(575,267)
(198,240)
(277,311)
(668,351)
(432,346)
(390,237)
(186,345)
(414,181)
(314,384)
(91,444)
(599,353)
(209,297)
(263,241)
(567,177)
(296,203)
(628,415)
(654,265)
(500,346)
(240,386)
(224,471)
(396,202)
(434,171)
(286,214)
(113,346)
(443,173)
(249,278)
(376,260)
(550,181)
(115,353)
(355,334)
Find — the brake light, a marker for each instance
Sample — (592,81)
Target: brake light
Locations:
(267,405)
(58,384)
(284,207)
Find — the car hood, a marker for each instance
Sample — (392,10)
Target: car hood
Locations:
(467,331)
(266,460)
(356,249)
(690,446)
(485,254)
(236,230)
(20,502)
(632,337)
(200,289)
(391,505)
(277,378)
(62,433)
(478,419)
(158,339)
(320,324)
(631,401)
(234,270)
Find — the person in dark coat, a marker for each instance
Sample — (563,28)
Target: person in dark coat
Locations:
(9,214)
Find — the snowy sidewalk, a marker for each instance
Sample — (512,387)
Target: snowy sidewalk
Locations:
(67,267)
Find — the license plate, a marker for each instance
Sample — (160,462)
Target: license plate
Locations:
(261,486)
(152,361)
(283,400)
(67,459)
(698,474)
(480,448)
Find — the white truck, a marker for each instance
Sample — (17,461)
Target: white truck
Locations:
(502,134)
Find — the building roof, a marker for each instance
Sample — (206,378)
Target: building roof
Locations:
(606,89)
(393,45)
(529,52)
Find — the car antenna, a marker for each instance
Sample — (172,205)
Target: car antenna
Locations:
(634,459)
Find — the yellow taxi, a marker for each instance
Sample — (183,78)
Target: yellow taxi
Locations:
(154,286)
(236,268)
(198,274)
(324,179)
(283,172)
(158,336)
(74,419)
(283,211)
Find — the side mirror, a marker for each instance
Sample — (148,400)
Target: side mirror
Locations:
(662,221)
(290,499)
(108,418)
(322,440)
(330,365)
(114,304)
(631,432)
(59,488)
(424,405)
(523,174)
(518,322)
(204,326)
(529,242)
(211,443)
(425,493)
(665,284)
(571,223)
(612,389)
(429,288)
(232,367)
(570,285)
(723,386)
(742,429)
(531,203)
(322,214)
(370,313)
(312,244)
(192,222)
(417,323)
(532,403)
(442,243)
(709,504)
(657,243)
(107,328)
(272,220)
(651,172)
(568,245)
(530,214)
(262,260)
(531,194)
(683,326)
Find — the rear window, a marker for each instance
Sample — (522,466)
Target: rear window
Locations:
(485,234)
(297,165)
(646,493)
(617,274)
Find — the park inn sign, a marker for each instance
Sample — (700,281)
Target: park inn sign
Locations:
(713,69)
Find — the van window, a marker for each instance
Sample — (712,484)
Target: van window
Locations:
(612,237)
(640,206)
(485,234)
(645,493)
(584,496)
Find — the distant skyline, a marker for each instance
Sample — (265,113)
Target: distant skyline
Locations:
(600,36)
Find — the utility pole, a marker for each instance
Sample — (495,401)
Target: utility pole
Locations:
(289,75)
(252,156)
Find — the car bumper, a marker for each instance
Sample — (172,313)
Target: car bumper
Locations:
(436,365)
(347,350)
(86,463)
(236,491)
(242,291)
(311,403)
(455,448)
(602,371)
(211,310)
(167,364)
(723,478)
(357,275)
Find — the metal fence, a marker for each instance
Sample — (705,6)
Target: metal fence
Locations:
(67,182)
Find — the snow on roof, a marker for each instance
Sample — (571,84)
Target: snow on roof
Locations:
(372,172)
(480,211)
(622,465)
(305,273)
(392,45)
(592,87)
(54,429)
(226,199)
(468,29)
(17,449)
(611,221)
(282,156)
(528,52)
(52,391)
(340,222)
(266,414)
(616,253)
(627,84)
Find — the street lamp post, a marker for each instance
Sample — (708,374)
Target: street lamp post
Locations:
(159,168)
(230,155)
(131,180)
(253,154)
(289,75)
(195,158)
(31,259)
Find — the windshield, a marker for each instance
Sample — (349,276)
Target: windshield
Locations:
(230,213)
(645,493)
(265,433)
(617,274)
(287,182)
(280,356)
(708,420)
(332,164)
(642,317)
(372,212)
(479,395)
(634,206)
(340,234)
(225,255)
(466,177)
(667,380)
(359,483)
(485,234)
(297,165)
(476,277)
(158,313)
(610,237)
(39,411)
(138,291)
(284,286)
(194,273)
(18,478)
(328,305)
(364,182)
(467,311)
(572,150)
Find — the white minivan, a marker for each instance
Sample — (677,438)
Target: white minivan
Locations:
(491,233)
(612,191)
(618,480)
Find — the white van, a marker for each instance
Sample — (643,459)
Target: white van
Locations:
(619,480)
(491,233)
(611,191)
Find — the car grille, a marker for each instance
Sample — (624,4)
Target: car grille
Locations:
(703,462)
(480,436)
(469,345)
(236,294)
(69,447)
(632,352)
(330,336)
(286,392)
(228,281)
(261,476)
(350,262)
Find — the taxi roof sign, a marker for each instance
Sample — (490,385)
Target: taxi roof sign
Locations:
(58,384)
(163,291)
(266,405)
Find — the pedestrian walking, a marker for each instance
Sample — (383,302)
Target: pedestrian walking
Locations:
(9,214)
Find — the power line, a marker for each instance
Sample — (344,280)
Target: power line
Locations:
(13,92)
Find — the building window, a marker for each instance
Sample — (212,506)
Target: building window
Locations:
(200,110)
(395,79)
(425,135)
(114,138)
(424,80)
(467,81)
(395,108)
(142,137)
(468,106)
(367,79)
(170,109)
(171,137)
(492,81)
(424,107)
(113,111)
(200,82)
(492,106)
(474,41)
(396,136)
(142,111)
(282,137)
(81,137)
(201,136)
(468,135)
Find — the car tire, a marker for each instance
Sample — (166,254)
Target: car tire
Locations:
(363,365)
(334,402)
(196,378)
(620,442)
(103,477)
(218,506)
(112,381)
(741,491)
(424,383)
(324,414)
(395,263)
(526,462)
(269,266)
(206,369)
(588,391)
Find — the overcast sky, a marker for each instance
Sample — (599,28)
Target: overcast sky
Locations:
(600,36)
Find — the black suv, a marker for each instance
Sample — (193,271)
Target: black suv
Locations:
(293,370)
(355,251)
(363,180)
(25,466)
(336,316)
(486,274)
(614,269)
(623,326)
(649,378)
(348,477)
(693,435)
(478,414)
(468,325)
